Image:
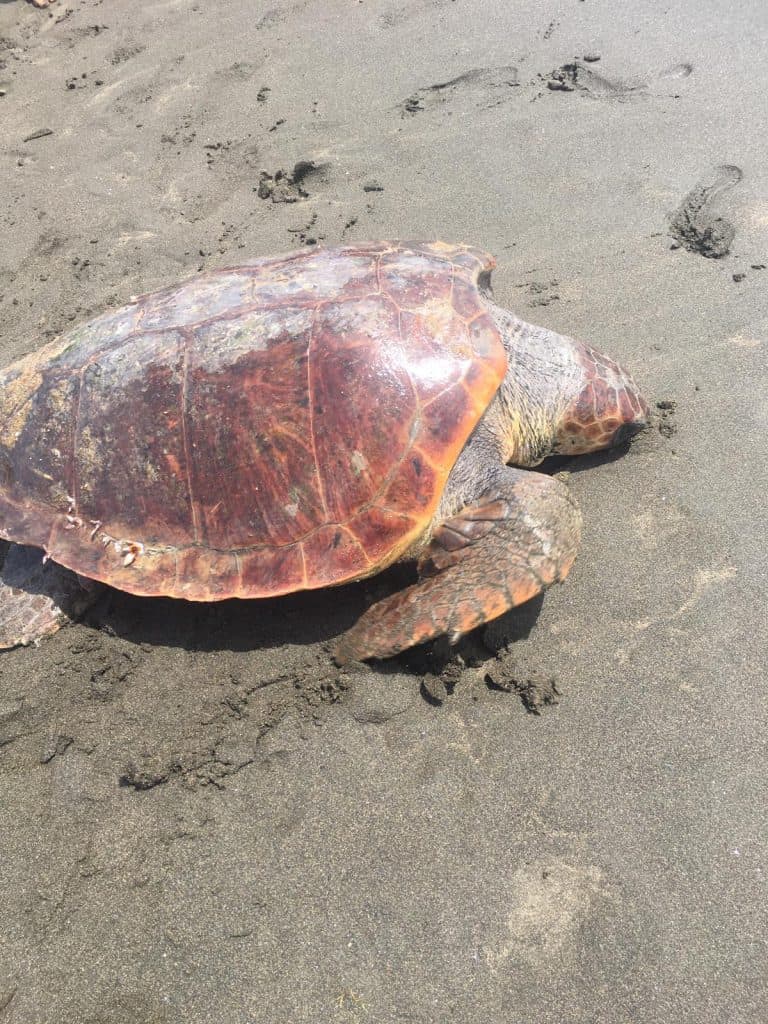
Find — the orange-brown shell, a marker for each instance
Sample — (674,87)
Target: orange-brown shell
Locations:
(285,424)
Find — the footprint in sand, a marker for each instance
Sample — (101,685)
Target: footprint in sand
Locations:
(477,84)
(696,224)
(579,77)
(550,904)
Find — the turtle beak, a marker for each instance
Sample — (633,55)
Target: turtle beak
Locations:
(627,431)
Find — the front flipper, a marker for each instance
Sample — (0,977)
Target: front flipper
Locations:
(37,598)
(513,543)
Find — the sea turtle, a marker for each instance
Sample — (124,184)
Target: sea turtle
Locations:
(299,422)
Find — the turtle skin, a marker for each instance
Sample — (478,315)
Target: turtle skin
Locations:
(281,425)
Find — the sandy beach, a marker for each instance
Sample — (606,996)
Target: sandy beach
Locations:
(564,818)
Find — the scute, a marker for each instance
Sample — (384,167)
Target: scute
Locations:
(285,424)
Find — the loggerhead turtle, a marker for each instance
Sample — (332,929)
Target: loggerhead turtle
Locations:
(300,422)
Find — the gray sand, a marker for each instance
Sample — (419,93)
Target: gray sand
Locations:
(199,820)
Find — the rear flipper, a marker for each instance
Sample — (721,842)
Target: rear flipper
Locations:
(37,598)
(517,540)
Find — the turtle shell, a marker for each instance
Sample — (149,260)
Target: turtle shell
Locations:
(285,424)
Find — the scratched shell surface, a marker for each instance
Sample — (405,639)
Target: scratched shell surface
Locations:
(286,424)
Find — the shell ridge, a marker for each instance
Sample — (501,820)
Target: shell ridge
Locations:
(412,429)
(354,538)
(74,483)
(311,396)
(304,576)
(184,419)
(238,569)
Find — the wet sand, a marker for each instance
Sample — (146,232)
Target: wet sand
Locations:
(200,819)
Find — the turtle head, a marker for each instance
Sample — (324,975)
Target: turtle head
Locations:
(603,410)
(560,397)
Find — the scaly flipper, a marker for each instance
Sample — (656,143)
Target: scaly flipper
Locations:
(37,598)
(513,543)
